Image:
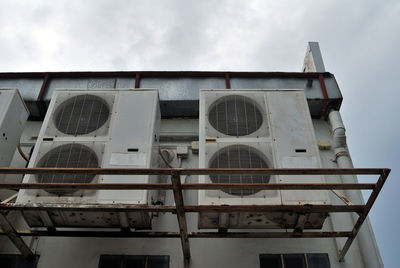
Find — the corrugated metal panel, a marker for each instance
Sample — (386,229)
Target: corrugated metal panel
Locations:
(179,94)
(123,82)
(58,83)
(181,88)
(312,91)
(179,97)
(332,88)
(101,83)
(28,87)
(78,83)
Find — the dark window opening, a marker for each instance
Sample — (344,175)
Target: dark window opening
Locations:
(133,261)
(311,260)
(18,261)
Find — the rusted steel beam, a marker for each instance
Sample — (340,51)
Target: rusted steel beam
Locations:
(343,197)
(94,171)
(164,74)
(227,81)
(281,171)
(286,186)
(137,80)
(268,234)
(188,208)
(195,171)
(180,213)
(14,237)
(85,207)
(43,88)
(9,199)
(84,233)
(187,186)
(324,94)
(88,186)
(364,214)
(277,208)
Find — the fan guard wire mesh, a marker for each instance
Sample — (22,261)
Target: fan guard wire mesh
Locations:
(239,156)
(81,115)
(68,156)
(235,115)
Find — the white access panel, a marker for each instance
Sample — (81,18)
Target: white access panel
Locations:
(295,144)
(13,116)
(133,144)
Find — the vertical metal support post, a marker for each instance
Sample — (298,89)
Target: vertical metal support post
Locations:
(180,213)
(324,94)
(18,242)
(43,88)
(364,215)
(227,81)
(137,80)
(41,105)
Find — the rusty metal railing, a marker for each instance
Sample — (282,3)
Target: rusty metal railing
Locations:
(181,209)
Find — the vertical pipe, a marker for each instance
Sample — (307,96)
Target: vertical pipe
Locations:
(366,240)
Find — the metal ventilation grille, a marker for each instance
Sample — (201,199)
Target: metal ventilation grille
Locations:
(239,156)
(235,115)
(81,115)
(68,156)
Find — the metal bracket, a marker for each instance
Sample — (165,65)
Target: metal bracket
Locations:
(180,209)
(363,216)
(180,213)
(9,199)
(12,234)
(342,197)
(123,221)
(44,216)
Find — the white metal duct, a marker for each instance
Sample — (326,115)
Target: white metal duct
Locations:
(96,128)
(257,129)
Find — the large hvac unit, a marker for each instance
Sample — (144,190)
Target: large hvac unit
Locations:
(90,129)
(258,129)
(13,116)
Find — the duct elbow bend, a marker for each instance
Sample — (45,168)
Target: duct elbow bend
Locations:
(338,129)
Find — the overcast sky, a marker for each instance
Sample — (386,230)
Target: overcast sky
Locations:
(360,43)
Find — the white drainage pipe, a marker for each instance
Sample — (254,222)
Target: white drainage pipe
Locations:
(366,239)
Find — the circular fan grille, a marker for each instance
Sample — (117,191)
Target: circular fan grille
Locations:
(239,156)
(235,115)
(81,115)
(68,156)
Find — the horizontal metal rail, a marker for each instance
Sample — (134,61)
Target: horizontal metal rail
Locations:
(119,234)
(181,209)
(188,186)
(187,208)
(196,171)
(162,74)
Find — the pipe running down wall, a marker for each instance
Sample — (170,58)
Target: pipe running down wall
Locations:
(366,238)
